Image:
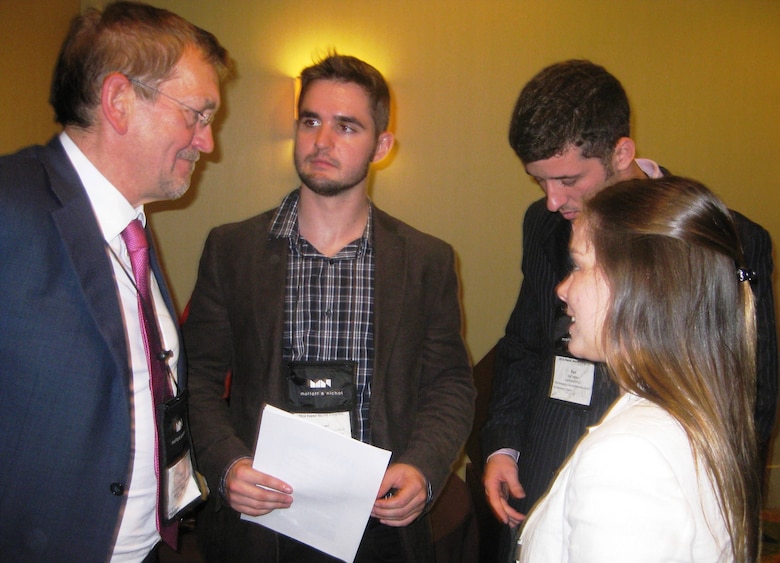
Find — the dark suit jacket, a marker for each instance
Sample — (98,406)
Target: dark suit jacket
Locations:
(422,392)
(65,403)
(544,431)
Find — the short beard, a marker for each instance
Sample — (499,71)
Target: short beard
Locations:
(176,194)
(331,188)
(171,191)
(174,191)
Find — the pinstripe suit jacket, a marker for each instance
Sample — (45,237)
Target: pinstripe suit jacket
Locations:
(544,431)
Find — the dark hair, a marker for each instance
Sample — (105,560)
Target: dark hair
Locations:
(344,68)
(570,104)
(680,328)
(137,40)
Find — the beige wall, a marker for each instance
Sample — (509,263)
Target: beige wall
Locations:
(31,32)
(701,75)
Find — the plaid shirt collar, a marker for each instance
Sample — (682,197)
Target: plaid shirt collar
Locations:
(285,225)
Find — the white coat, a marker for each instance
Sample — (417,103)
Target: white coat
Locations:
(629,492)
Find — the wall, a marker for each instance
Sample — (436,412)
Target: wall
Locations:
(696,72)
(31,33)
(702,78)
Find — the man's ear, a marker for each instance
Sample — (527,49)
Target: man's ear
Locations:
(384,145)
(623,155)
(117,99)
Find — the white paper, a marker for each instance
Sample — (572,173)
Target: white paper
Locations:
(335,482)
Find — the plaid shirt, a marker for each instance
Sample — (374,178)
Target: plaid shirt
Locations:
(329,303)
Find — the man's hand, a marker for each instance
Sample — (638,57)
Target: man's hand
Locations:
(500,480)
(406,490)
(253,493)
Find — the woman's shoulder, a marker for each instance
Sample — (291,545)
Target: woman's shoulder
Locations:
(637,431)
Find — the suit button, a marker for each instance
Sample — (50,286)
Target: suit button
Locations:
(117,489)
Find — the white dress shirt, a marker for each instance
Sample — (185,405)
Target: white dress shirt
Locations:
(137,533)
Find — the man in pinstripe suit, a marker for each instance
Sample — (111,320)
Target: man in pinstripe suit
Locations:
(570,128)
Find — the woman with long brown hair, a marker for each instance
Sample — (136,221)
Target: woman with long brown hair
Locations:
(661,294)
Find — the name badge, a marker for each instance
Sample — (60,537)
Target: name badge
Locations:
(324,393)
(183,487)
(336,421)
(572,380)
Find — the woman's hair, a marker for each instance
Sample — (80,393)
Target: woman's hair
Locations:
(680,329)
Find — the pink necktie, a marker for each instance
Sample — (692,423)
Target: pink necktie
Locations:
(138,248)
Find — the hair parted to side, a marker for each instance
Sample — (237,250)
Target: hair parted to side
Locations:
(135,39)
(573,103)
(680,329)
(345,68)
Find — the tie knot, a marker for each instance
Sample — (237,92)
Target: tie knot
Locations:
(134,236)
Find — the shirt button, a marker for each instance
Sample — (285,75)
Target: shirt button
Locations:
(117,489)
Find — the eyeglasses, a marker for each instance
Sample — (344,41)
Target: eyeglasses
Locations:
(202,118)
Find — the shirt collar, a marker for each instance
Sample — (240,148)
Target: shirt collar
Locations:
(112,210)
(285,224)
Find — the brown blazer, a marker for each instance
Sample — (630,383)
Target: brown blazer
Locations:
(422,390)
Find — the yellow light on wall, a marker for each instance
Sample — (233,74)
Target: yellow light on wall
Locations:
(292,59)
(296,94)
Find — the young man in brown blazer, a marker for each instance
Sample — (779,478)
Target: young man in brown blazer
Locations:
(328,277)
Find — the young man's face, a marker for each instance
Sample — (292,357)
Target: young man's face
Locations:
(568,178)
(335,139)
